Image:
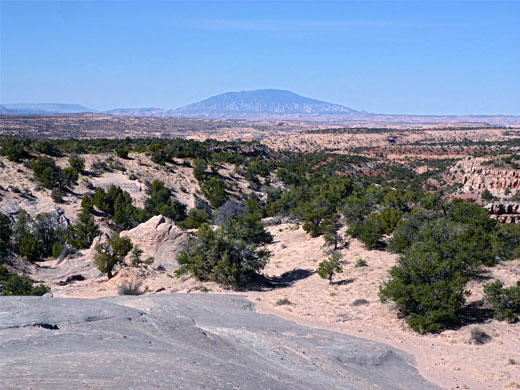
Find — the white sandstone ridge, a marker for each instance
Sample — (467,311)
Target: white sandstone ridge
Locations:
(161,239)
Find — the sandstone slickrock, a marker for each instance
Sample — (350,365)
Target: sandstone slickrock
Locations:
(161,239)
(183,341)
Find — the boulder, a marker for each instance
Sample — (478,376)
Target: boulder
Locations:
(161,239)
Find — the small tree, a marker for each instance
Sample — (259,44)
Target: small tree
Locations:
(81,234)
(327,268)
(111,253)
(135,257)
(313,214)
(47,230)
(199,168)
(428,287)
(57,195)
(69,177)
(162,202)
(14,150)
(13,284)
(195,218)
(331,225)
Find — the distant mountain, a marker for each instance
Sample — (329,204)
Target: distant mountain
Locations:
(259,103)
(267,105)
(42,108)
(138,112)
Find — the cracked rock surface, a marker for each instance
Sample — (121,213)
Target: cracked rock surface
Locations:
(183,341)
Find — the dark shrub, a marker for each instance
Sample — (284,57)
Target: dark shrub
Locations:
(5,235)
(122,152)
(487,195)
(428,286)
(213,256)
(14,149)
(215,191)
(161,202)
(507,241)
(83,232)
(194,219)
(13,284)
(504,301)
(47,172)
(30,247)
(199,168)
(77,162)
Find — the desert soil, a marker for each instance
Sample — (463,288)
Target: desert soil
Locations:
(448,359)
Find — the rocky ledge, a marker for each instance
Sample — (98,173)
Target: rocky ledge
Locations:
(183,341)
(505,212)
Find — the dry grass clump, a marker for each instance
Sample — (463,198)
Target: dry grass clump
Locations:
(130,288)
(479,336)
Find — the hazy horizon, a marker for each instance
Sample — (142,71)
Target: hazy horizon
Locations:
(424,58)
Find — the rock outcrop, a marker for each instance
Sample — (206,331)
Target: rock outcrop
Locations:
(161,239)
(505,212)
(477,177)
(184,341)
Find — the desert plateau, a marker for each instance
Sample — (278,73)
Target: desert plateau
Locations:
(250,195)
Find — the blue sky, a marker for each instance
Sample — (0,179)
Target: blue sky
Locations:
(417,57)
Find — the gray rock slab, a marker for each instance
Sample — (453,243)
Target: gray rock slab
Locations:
(183,341)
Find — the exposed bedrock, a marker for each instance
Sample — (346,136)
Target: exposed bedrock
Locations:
(183,341)
(505,212)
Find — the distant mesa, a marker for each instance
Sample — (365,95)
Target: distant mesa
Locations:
(257,104)
(268,105)
(42,108)
(260,102)
(152,111)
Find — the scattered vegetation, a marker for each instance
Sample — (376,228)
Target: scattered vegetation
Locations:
(442,244)
(327,268)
